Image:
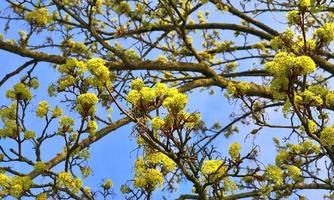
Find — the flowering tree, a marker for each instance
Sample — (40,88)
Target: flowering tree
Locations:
(123,62)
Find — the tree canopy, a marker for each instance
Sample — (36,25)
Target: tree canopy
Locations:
(120,63)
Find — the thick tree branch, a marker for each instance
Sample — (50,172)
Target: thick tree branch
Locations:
(206,26)
(300,186)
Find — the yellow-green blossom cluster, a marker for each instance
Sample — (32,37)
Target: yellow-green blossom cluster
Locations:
(308,98)
(201,17)
(86,104)
(294,17)
(325,33)
(107,184)
(147,177)
(57,112)
(91,127)
(33,83)
(206,56)
(39,16)
(65,179)
(5,182)
(77,47)
(132,54)
(7,113)
(42,109)
(315,95)
(157,123)
(151,169)
(71,2)
(274,174)
(160,89)
(141,96)
(312,126)
(231,66)
(122,7)
(72,72)
(319,90)
(234,150)
(175,101)
(330,99)
(294,172)
(304,4)
(73,67)
(287,41)
(9,129)
(14,186)
(42,196)
(229,185)
(66,124)
(236,89)
(125,189)
(281,157)
(63,83)
(162,59)
(286,66)
(19,92)
(84,154)
(184,119)
(306,147)
(299,45)
(214,169)
(137,84)
(101,73)
(85,171)
(8,118)
(29,135)
(281,41)
(327,136)
(167,165)
(283,62)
